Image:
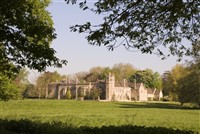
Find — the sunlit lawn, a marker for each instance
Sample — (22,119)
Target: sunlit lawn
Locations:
(98,114)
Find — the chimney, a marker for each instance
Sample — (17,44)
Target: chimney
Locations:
(124,82)
(134,83)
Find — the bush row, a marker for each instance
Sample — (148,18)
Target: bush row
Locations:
(35,127)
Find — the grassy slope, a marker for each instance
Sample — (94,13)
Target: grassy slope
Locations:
(94,113)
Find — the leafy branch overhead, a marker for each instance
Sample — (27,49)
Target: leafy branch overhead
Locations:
(26,31)
(145,25)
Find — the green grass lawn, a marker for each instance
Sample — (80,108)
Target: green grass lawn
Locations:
(97,114)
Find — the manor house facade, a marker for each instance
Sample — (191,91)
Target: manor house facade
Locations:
(110,90)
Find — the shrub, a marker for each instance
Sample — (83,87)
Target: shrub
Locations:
(30,127)
(68,94)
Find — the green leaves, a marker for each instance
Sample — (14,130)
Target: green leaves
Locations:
(7,89)
(145,25)
(148,77)
(26,33)
(182,82)
(188,88)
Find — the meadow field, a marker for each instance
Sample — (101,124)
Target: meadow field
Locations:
(65,116)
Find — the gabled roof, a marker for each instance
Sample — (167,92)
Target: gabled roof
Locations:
(134,91)
(157,92)
(132,85)
(119,83)
(150,90)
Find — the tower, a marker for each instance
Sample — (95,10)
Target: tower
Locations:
(110,83)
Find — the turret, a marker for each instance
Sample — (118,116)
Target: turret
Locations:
(110,83)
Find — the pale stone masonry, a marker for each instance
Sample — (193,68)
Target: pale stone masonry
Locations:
(116,93)
(139,93)
(110,90)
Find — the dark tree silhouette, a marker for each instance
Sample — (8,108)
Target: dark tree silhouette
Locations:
(26,31)
(145,25)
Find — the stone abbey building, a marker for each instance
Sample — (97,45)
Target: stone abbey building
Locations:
(109,90)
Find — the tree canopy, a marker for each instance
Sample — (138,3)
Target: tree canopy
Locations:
(148,77)
(123,71)
(44,79)
(145,25)
(170,83)
(8,90)
(189,86)
(182,83)
(26,31)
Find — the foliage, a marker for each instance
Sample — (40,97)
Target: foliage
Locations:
(97,73)
(182,82)
(95,93)
(15,84)
(35,127)
(26,33)
(148,77)
(196,51)
(80,76)
(87,96)
(143,25)
(22,76)
(21,80)
(170,84)
(94,74)
(68,94)
(8,90)
(189,86)
(157,80)
(42,85)
(80,92)
(30,91)
(123,71)
(44,79)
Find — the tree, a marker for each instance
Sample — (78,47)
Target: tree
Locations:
(80,92)
(42,84)
(148,77)
(189,85)
(81,76)
(157,81)
(196,50)
(12,87)
(68,94)
(189,88)
(22,76)
(95,93)
(97,73)
(105,72)
(21,80)
(123,71)
(26,31)
(170,84)
(30,91)
(43,81)
(8,90)
(143,25)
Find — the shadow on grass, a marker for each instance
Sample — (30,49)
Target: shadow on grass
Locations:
(155,105)
(32,127)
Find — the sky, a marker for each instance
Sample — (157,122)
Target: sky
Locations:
(81,56)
